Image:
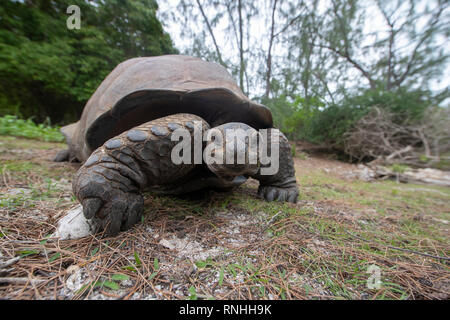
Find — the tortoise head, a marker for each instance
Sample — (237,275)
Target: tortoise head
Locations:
(232,150)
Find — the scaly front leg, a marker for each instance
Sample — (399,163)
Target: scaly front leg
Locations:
(108,186)
(109,183)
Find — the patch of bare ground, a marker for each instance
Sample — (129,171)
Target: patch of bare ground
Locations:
(227,245)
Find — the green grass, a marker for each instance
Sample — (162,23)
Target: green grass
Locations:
(28,197)
(18,166)
(13,126)
(23,169)
(17,143)
(342,270)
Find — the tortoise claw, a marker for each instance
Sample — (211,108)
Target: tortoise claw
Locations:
(91,207)
(114,213)
(273,193)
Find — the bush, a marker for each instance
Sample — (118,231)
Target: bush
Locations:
(294,118)
(281,109)
(329,125)
(370,125)
(11,125)
(47,70)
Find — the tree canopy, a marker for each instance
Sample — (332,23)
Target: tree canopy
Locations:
(48,70)
(323,48)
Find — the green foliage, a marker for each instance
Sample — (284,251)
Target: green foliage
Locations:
(312,120)
(408,106)
(281,108)
(11,125)
(47,70)
(399,168)
(304,110)
(119,277)
(329,125)
(193,293)
(294,117)
(137,259)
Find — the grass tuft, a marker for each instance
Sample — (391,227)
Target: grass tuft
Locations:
(13,126)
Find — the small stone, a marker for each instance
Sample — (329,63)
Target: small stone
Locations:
(74,225)
(18,191)
(167,244)
(136,135)
(76,280)
(72,269)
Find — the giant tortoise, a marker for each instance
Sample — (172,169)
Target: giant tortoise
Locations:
(125,138)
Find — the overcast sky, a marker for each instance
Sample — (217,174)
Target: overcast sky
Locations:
(259,30)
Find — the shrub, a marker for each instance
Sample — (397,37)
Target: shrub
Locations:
(330,125)
(370,125)
(11,125)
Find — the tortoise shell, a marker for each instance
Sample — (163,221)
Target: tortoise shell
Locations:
(142,89)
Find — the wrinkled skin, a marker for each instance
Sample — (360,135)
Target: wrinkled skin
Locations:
(110,182)
(231,140)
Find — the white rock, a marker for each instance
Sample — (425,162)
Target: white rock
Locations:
(74,225)
(72,269)
(75,281)
(168,244)
(126,283)
(189,248)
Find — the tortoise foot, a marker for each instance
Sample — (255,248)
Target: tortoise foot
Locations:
(110,198)
(273,193)
(62,155)
(108,184)
(118,213)
(281,186)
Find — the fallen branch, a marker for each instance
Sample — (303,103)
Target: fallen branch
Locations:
(379,136)
(9,262)
(424,176)
(21,281)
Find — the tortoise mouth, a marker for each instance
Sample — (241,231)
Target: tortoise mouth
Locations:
(216,106)
(229,172)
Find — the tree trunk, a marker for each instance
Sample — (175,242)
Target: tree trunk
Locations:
(208,25)
(241,48)
(269,51)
